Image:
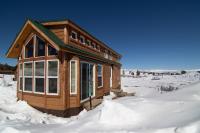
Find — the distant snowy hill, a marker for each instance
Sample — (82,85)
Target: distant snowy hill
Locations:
(146,71)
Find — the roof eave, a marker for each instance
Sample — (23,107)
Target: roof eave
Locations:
(16,38)
(87,54)
(64,22)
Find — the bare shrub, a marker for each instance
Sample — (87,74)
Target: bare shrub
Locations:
(155,78)
(183,72)
(167,88)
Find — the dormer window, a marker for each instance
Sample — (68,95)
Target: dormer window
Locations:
(93,45)
(82,39)
(74,35)
(106,54)
(98,47)
(88,42)
(29,49)
(110,56)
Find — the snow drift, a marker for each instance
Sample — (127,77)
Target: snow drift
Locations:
(113,113)
(149,111)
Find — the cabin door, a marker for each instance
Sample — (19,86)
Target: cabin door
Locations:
(87,80)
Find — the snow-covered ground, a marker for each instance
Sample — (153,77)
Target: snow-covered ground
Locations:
(150,111)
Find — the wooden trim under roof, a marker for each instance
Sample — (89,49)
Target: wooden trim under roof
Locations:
(15,42)
(52,23)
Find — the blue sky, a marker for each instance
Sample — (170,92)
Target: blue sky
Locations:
(150,34)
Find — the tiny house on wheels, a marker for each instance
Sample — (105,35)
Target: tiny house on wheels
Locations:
(61,66)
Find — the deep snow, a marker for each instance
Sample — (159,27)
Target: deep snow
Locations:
(150,111)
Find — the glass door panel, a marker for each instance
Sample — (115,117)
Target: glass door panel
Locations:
(86,80)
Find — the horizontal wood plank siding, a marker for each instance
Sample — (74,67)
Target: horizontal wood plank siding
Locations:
(59,33)
(116,78)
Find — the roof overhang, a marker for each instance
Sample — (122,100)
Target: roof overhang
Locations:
(32,26)
(15,48)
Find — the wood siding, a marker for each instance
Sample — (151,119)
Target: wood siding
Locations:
(116,78)
(64,100)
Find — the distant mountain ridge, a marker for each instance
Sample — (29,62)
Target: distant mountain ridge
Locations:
(161,70)
(7,69)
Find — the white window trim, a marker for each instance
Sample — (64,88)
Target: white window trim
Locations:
(111,76)
(34,88)
(89,43)
(34,48)
(106,54)
(47,77)
(27,77)
(110,57)
(76,38)
(98,49)
(83,39)
(94,80)
(21,77)
(73,93)
(94,45)
(101,75)
(34,39)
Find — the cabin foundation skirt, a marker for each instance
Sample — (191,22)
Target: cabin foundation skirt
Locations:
(61,113)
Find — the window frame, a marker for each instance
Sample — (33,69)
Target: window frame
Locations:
(22,76)
(83,39)
(98,47)
(110,57)
(34,39)
(76,35)
(47,77)
(94,45)
(100,76)
(89,43)
(76,77)
(106,54)
(34,49)
(34,80)
(28,77)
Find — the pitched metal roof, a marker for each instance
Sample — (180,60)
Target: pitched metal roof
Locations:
(72,48)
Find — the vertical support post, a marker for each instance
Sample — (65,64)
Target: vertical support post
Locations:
(90,102)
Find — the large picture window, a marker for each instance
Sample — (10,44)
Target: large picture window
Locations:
(39,47)
(39,76)
(20,76)
(100,75)
(33,77)
(28,75)
(52,77)
(73,77)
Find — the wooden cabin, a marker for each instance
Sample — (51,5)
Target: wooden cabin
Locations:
(61,65)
